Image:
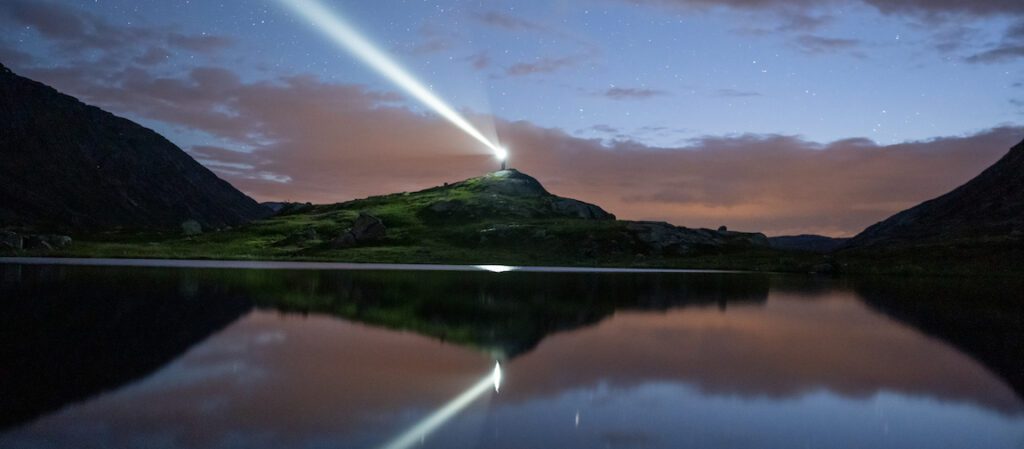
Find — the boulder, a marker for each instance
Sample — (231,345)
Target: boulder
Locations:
(366,228)
(345,240)
(57,241)
(11,240)
(447,207)
(579,209)
(665,238)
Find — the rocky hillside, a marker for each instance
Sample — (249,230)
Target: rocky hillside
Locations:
(988,207)
(509,209)
(70,166)
(505,217)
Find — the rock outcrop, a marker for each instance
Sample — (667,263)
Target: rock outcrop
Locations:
(12,241)
(578,209)
(508,194)
(366,228)
(511,182)
(667,239)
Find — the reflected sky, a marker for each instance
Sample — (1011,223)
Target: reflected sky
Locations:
(798,370)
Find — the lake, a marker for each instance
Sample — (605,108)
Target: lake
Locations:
(387,357)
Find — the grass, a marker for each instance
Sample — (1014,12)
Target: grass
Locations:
(509,229)
(484,227)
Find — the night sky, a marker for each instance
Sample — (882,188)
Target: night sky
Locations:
(781,116)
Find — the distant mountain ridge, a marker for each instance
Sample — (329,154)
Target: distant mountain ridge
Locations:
(807,242)
(68,165)
(990,206)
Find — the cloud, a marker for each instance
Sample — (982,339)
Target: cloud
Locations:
(542,65)
(812,44)
(604,129)
(801,19)
(946,7)
(631,93)
(13,57)
(74,30)
(153,56)
(1010,48)
(508,22)
(479,61)
(431,38)
(914,7)
(1018,104)
(998,54)
(306,139)
(200,43)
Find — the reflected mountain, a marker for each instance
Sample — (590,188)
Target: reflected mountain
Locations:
(505,315)
(68,334)
(983,318)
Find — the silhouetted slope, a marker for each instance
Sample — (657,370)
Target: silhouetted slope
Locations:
(69,165)
(990,207)
(806,242)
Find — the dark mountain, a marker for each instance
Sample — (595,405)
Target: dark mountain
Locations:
(68,165)
(806,242)
(989,207)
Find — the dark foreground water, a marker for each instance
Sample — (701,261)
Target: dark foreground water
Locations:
(114,357)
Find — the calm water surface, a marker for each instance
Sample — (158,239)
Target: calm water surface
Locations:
(118,357)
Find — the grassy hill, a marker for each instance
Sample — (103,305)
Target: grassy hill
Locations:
(505,217)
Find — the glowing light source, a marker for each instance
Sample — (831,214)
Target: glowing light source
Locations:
(346,36)
(418,432)
(496,268)
(497,376)
(501,153)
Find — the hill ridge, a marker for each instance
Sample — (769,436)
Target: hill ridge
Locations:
(991,205)
(113,172)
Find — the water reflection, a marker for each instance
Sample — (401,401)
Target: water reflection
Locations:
(609,360)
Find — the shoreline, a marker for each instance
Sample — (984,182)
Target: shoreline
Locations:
(340,266)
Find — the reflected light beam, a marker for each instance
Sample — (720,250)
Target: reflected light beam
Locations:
(496,268)
(346,36)
(418,432)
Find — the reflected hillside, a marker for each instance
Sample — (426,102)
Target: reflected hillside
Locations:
(70,333)
(983,318)
(506,314)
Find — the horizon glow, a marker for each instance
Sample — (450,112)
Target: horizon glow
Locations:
(348,37)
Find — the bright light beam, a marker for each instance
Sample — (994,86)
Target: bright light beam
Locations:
(347,37)
(437,419)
